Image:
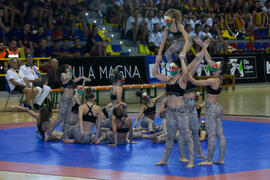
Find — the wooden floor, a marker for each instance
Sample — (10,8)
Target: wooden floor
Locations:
(246,100)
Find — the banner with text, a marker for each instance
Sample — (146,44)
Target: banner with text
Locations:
(244,67)
(100,69)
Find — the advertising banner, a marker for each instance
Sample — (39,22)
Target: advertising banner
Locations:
(100,69)
(244,67)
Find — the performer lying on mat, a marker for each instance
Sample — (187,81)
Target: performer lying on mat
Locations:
(89,117)
(122,131)
(43,121)
(214,110)
(148,110)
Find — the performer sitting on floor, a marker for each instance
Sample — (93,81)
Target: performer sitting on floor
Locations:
(148,109)
(122,131)
(89,117)
(43,121)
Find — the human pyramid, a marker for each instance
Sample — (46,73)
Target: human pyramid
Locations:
(179,111)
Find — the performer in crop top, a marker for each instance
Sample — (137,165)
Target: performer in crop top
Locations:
(173,20)
(89,117)
(116,95)
(148,109)
(65,103)
(122,131)
(213,109)
(176,115)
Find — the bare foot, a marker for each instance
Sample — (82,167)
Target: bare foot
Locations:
(205,163)
(69,141)
(201,156)
(219,162)
(185,160)
(47,137)
(190,165)
(162,162)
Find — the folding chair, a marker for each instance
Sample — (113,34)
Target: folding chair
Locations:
(9,94)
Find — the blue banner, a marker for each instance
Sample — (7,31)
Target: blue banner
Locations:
(164,68)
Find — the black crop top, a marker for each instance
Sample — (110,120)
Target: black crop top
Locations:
(150,110)
(124,127)
(114,97)
(190,87)
(209,90)
(90,118)
(213,91)
(69,84)
(177,34)
(75,108)
(174,89)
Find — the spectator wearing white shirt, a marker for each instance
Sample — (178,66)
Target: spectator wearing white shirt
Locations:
(17,84)
(32,78)
(197,32)
(134,26)
(155,39)
(266,7)
(207,31)
(151,21)
(160,20)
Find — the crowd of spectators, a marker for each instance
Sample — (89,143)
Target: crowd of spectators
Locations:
(49,28)
(204,19)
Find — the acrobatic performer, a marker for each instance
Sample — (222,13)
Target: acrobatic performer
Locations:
(213,109)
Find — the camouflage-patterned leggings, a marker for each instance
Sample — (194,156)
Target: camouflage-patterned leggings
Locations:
(177,119)
(65,106)
(214,129)
(194,127)
(148,124)
(176,47)
(74,132)
(108,137)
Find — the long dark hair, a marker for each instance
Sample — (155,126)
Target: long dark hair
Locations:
(120,111)
(88,94)
(45,114)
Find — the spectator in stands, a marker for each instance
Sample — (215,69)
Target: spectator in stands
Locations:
(95,45)
(266,8)
(26,37)
(76,50)
(43,50)
(134,26)
(11,52)
(65,48)
(2,50)
(155,39)
(246,16)
(151,21)
(207,32)
(56,48)
(115,13)
(197,32)
(17,84)
(259,16)
(53,77)
(40,35)
(160,20)
(32,78)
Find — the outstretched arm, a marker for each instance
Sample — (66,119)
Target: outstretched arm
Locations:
(158,97)
(208,82)
(139,116)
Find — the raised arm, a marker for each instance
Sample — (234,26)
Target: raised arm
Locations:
(162,44)
(155,72)
(185,35)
